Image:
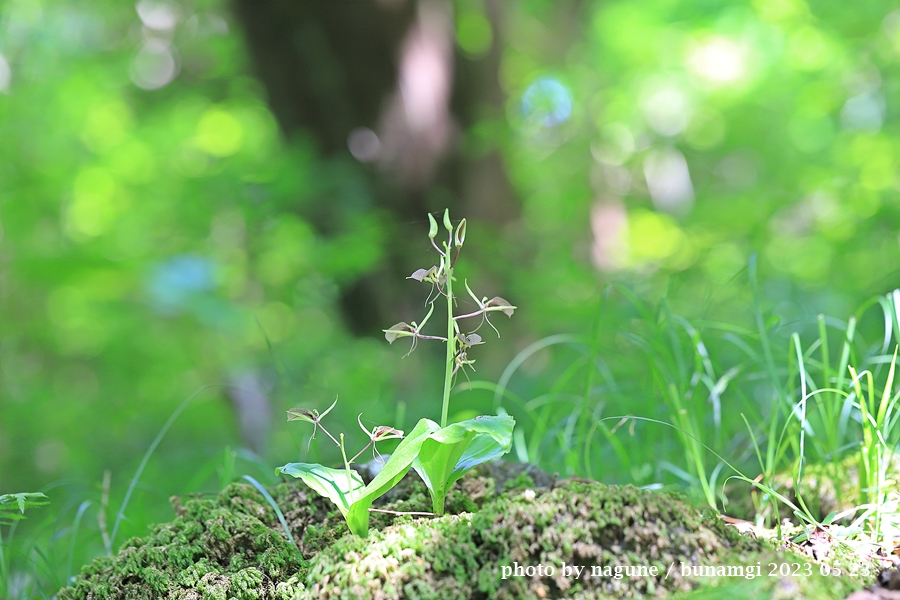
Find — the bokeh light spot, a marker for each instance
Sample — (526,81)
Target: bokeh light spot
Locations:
(878,172)
(669,181)
(155,65)
(364,144)
(219,133)
(547,102)
(96,202)
(780,10)
(665,107)
(809,49)
(106,125)
(174,283)
(161,16)
(653,237)
(615,146)
(474,33)
(718,60)
(863,112)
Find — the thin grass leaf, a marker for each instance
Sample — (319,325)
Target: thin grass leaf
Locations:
(145,459)
(76,525)
(265,493)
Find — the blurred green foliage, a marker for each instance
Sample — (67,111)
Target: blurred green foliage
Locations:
(151,246)
(154,239)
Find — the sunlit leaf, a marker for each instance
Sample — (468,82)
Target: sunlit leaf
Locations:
(393,471)
(450,452)
(341,486)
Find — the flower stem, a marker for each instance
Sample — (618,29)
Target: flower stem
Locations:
(346,464)
(451,345)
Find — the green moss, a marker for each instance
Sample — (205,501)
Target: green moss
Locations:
(226,547)
(577,524)
(520,482)
(232,547)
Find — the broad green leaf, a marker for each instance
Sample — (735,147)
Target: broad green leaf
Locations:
(393,471)
(449,453)
(337,485)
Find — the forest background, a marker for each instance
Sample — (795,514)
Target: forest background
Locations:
(221,202)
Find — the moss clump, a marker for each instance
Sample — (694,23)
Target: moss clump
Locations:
(220,548)
(579,524)
(233,547)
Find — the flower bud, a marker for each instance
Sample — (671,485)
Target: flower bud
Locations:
(460,235)
(447,222)
(432,226)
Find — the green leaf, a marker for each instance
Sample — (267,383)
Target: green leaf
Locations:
(393,471)
(337,485)
(11,503)
(450,452)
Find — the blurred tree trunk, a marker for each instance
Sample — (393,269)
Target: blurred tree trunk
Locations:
(379,84)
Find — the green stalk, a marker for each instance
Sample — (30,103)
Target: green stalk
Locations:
(451,343)
(346,464)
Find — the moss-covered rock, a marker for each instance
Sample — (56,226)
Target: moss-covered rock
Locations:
(581,526)
(512,545)
(218,548)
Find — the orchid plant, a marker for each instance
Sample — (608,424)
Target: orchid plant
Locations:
(440,454)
